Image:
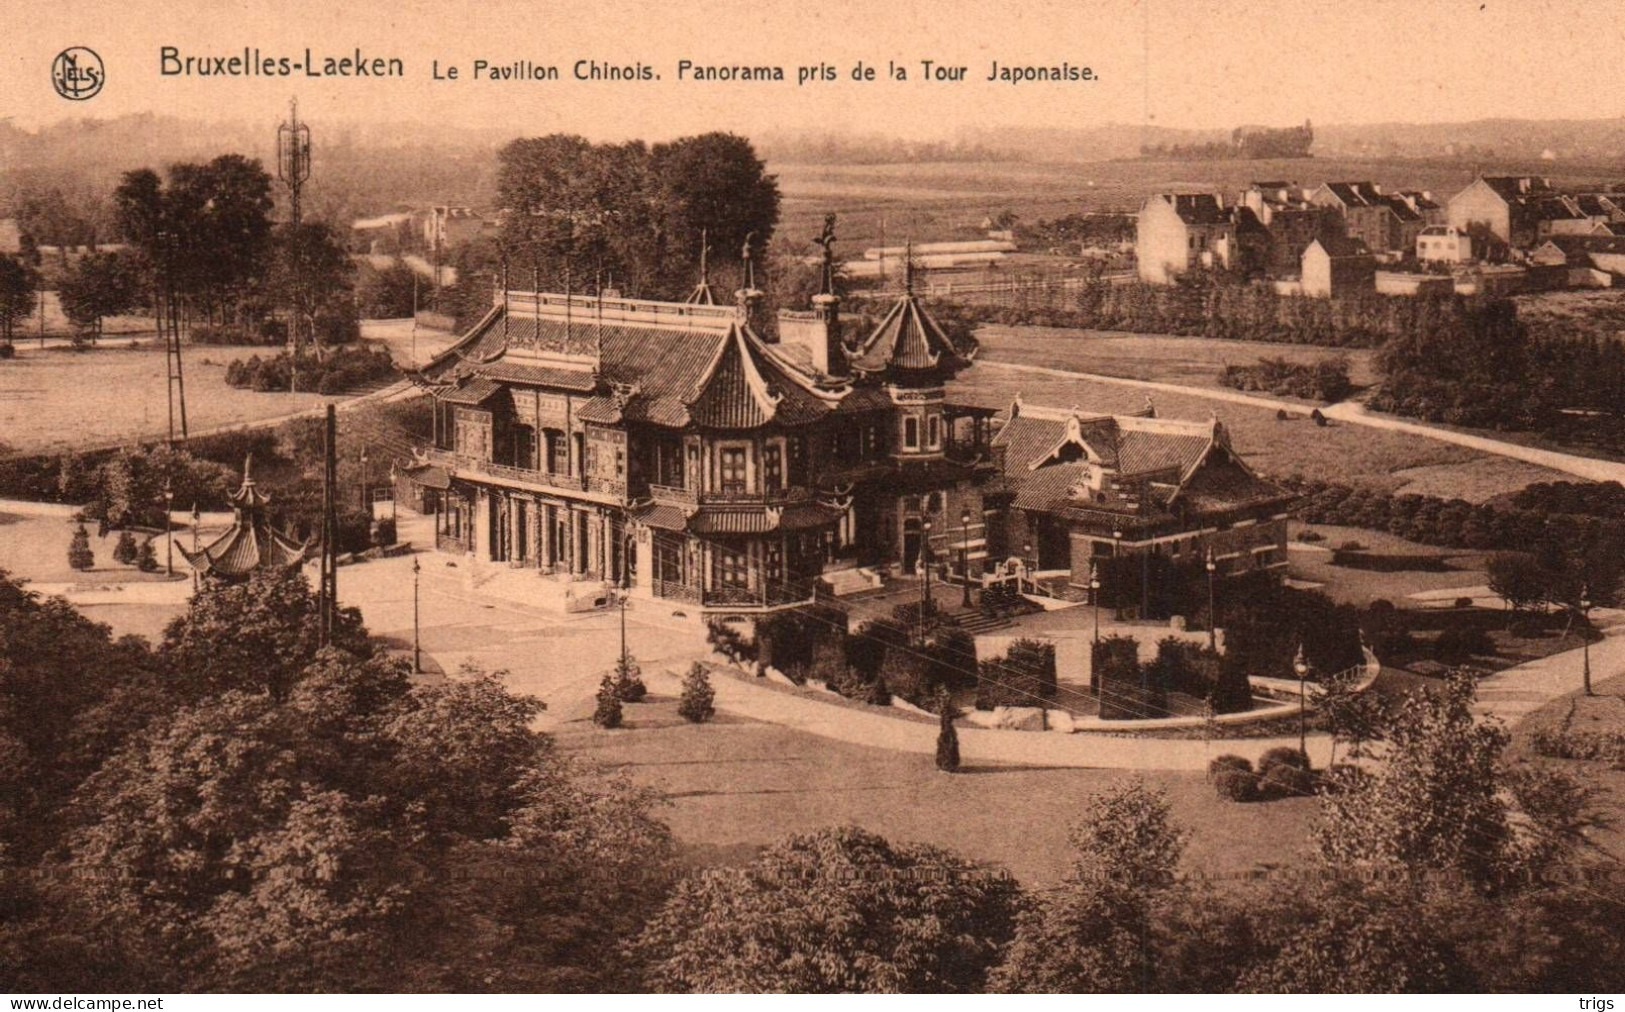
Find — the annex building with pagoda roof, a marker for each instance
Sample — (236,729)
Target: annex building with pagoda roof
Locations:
(714,456)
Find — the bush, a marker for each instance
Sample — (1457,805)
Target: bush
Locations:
(146,559)
(1457,646)
(1236,785)
(333,373)
(7,350)
(629,687)
(607,713)
(1283,781)
(80,556)
(697,704)
(1282,756)
(1464,602)
(1310,536)
(1228,762)
(383,532)
(125,551)
(1025,676)
(1341,778)
(729,642)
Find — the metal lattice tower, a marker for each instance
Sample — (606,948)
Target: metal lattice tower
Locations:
(293,169)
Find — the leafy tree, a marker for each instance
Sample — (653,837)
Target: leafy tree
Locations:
(840,910)
(255,636)
(607,713)
(18,282)
(1092,934)
(697,704)
(390,292)
(146,559)
(312,272)
(79,554)
(947,735)
(1351,714)
(1518,578)
(1441,802)
(98,286)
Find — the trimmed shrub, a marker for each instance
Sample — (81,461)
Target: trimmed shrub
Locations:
(1282,756)
(1236,785)
(1457,646)
(697,704)
(146,559)
(79,554)
(1228,762)
(629,687)
(125,551)
(1283,781)
(1025,676)
(1464,602)
(607,714)
(905,673)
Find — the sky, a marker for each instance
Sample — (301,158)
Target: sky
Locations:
(1177,63)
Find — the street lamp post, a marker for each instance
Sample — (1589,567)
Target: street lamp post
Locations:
(394,516)
(925,573)
(1117,556)
(169,537)
(366,506)
(1212,615)
(1301,667)
(1094,596)
(197,517)
(417,643)
(964,552)
(1585,639)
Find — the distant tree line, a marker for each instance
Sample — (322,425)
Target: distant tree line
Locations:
(1246,143)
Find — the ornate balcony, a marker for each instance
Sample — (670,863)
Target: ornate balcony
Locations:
(458,462)
(690,497)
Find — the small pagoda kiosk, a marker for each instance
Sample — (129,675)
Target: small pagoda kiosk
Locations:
(251,542)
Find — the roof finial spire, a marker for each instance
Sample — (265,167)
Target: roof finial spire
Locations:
(701,295)
(750,265)
(826,239)
(908,266)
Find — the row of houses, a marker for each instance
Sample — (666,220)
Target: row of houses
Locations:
(1499,234)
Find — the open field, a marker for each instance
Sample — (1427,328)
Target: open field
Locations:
(734,786)
(1600,313)
(1166,358)
(1352,454)
(942,200)
(58,399)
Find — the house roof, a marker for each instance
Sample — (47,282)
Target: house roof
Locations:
(1145,462)
(1357,193)
(1517,188)
(1197,208)
(1340,246)
(908,338)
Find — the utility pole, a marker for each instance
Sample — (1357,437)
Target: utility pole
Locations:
(196,517)
(327,596)
(169,329)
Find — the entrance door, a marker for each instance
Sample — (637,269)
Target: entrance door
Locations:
(521,546)
(911,544)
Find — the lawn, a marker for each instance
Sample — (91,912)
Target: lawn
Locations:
(1166,358)
(59,399)
(1347,453)
(1434,569)
(733,786)
(1603,713)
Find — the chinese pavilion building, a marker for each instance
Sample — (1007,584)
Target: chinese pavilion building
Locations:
(710,455)
(251,542)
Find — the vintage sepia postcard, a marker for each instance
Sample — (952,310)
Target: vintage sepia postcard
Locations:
(997,497)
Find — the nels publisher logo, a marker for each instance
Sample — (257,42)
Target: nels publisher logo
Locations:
(78,73)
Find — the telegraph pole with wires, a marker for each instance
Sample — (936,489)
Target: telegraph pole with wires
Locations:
(328,594)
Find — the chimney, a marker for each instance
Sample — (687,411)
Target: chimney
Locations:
(828,354)
(751,304)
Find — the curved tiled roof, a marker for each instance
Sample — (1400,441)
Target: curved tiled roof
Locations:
(908,338)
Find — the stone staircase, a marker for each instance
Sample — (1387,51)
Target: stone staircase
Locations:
(846,582)
(977,623)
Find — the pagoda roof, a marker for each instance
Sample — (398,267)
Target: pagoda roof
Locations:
(908,338)
(245,547)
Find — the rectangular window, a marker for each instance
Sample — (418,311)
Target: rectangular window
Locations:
(733,469)
(935,431)
(911,433)
(772,468)
(798,460)
(729,568)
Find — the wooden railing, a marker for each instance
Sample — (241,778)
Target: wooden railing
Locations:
(563,482)
(691,497)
